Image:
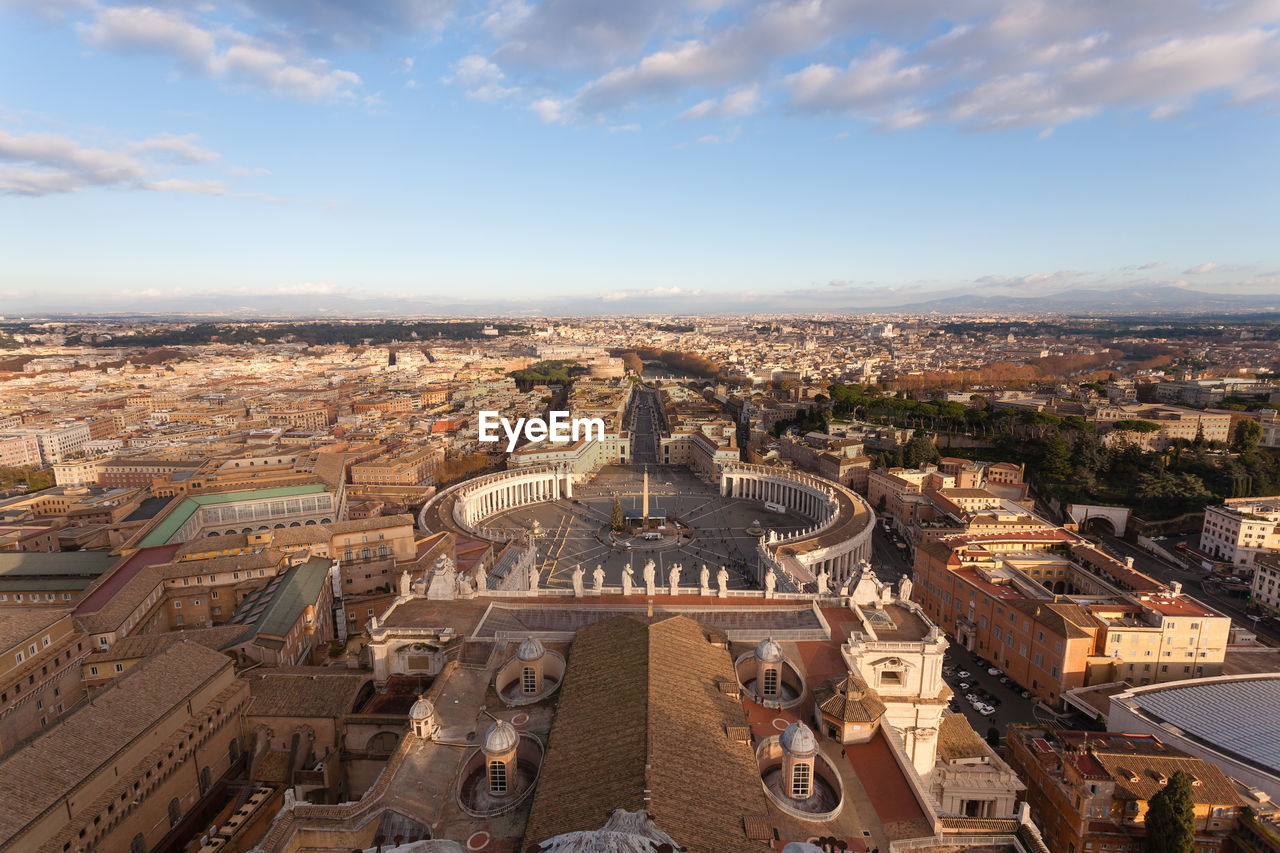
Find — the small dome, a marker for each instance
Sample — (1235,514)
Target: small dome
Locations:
(769,651)
(501,737)
(422,709)
(530,649)
(798,739)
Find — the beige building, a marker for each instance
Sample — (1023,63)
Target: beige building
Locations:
(120,773)
(1241,530)
(40,653)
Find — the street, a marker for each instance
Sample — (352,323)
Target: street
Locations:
(1165,572)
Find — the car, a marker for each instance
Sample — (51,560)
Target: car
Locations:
(964,685)
(964,673)
(1005,680)
(994,672)
(1026,694)
(986,710)
(972,697)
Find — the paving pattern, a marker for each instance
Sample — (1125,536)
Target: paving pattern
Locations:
(576,532)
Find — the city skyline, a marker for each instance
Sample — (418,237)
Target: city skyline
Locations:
(820,155)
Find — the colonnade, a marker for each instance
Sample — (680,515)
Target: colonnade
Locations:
(481,498)
(836,545)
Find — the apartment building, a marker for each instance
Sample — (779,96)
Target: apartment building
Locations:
(1241,530)
(40,654)
(119,773)
(1055,614)
(1090,791)
(411,467)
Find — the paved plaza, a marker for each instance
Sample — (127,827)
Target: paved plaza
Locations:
(577,531)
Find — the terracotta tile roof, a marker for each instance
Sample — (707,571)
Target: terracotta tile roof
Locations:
(640,715)
(595,760)
(143,645)
(41,775)
(1123,767)
(849,699)
(957,739)
(304,692)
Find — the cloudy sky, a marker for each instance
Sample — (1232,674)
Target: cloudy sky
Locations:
(624,151)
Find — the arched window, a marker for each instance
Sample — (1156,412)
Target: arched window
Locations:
(770,682)
(138,845)
(382,550)
(530,680)
(364,553)
(175,812)
(347,555)
(800,782)
(497,777)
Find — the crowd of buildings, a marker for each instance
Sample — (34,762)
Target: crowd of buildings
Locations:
(225,523)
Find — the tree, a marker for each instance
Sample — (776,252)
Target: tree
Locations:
(615,520)
(919,450)
(1171,818)
(1055,462)
(1248,433)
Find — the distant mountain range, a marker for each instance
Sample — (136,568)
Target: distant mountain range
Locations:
(1133,300)
(1138,300)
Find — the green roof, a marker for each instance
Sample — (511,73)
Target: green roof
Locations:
(277,607)
(170,522)
(84,564)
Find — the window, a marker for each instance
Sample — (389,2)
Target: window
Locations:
(93,670)
(530,680)
(497,777)
(770,682)
(800,785)
(119,667)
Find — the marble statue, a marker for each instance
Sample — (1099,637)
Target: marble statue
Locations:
(722,580)
(533,577)
(650,573)
(405,583)
(628,576)
(822,582)
(770,583)
(597,578)
(577,581)
(904,588)
(704,580)
(673,579)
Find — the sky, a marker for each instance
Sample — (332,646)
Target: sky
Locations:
(821,154)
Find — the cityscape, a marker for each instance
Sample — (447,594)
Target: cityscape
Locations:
(685,426)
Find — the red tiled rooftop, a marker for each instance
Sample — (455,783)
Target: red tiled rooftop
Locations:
(124,573)
(882,779)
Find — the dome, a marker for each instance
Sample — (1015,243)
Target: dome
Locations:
(769,651)
(530,649)
(501,737)
(798,739)
(422,709)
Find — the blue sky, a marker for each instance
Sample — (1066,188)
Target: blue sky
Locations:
(830,153)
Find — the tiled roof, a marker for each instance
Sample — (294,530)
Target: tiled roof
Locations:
(957,739)
(42,774)
(143,645)
(640,712)
(304,692)
(849,699)
(1214,787)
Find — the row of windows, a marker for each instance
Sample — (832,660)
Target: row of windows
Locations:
(35,596)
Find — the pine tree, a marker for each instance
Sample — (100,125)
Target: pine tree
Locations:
(1171,818)
(615,521)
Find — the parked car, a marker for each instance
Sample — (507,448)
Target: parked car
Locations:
(986,710)
(994,672)
(1026,694)
(964,685)
(964,673)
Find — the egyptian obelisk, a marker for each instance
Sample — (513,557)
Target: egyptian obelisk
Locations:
(645,500)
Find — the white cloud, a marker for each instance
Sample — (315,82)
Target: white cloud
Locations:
(48,164)
(179,149)
(185,185)
(480,78)
(742,101)
(221,54)
(245,172)
(1201,269)
(550,110)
